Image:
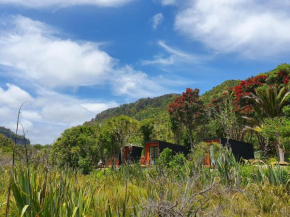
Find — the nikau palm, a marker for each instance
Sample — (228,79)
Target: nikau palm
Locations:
(268,103)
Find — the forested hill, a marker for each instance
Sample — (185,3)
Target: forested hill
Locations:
(153,107)
(218,90)
(140,110)
(8,133)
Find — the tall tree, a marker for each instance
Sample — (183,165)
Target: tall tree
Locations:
(122,128)
(188,110)
(269,104)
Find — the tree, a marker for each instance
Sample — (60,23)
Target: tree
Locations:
(108,144)
(77,147)
(269,104)
(278,77)
(188,110)
(222,112)
(147,128)
(176,128)
(6,144)
(122,128)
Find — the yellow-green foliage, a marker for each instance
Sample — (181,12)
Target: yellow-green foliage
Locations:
(135,191)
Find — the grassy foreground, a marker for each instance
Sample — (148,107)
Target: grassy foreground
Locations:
(188,190)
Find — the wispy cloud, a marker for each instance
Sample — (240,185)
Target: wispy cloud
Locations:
(176,56)
(167,2)
(254,29)
(157,20)
(160,60)
(64,3)
(177,52)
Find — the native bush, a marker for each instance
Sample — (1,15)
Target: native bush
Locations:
(165,158)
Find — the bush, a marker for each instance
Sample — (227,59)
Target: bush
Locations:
(165,157)
(85,166)
(177,161)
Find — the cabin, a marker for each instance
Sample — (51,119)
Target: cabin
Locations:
(154,148)
(241,150)
(132,153)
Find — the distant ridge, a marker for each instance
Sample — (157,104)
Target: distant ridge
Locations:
(152,107)
(8,133)
(142,109)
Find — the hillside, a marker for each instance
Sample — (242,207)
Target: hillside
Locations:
(140,110)
(8,133)
(153,107)
(218,90)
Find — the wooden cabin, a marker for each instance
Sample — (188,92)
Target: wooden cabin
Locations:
(239,149)
(154,148)
(132,153)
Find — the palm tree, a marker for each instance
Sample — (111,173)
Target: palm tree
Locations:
(268,103)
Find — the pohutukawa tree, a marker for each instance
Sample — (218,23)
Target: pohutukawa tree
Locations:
(279,78)
(188,109)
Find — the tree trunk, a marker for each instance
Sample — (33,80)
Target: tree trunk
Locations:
(279,147)
(190,138)
(281,154)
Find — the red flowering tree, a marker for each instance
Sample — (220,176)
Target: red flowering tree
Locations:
(246,88)
(187,110)
(278,78)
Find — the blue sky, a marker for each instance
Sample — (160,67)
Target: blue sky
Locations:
(72,59)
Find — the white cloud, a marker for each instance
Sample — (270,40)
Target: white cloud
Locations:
(176,56)
(32,48)
(159,60)
(252,28)
(176,52)
(46,115)
(167,2)
(135,84)
(31,115)
(13,96)
(157,20)
(64,3)
(34,54)
(98,107)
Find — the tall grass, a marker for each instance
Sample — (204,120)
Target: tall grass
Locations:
(190,190)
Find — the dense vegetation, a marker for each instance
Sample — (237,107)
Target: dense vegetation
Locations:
(71,178)
(142,109)
(174,187)
(217,91)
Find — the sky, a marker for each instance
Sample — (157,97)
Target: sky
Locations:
(73,59)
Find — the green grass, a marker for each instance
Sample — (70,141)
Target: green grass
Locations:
(230,189)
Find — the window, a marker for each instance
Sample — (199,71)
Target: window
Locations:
(153,154)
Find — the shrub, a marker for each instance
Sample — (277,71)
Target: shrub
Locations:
(165,157)
(85,166)
(177,161)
